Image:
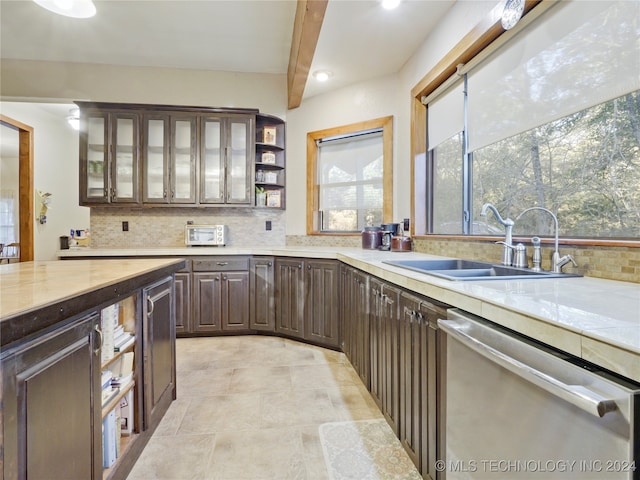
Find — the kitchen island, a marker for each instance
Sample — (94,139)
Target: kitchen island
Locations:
(594,319)
(61,390)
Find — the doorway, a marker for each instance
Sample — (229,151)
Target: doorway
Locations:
(26,208)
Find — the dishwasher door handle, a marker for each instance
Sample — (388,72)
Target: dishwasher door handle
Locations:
(578,395)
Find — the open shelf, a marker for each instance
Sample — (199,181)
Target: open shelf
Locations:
(115,400)
(270,175)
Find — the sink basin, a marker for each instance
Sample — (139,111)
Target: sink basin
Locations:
(456,269)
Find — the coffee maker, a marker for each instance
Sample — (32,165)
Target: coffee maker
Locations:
(389,230)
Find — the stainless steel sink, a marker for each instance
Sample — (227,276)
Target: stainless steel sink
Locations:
(456,269)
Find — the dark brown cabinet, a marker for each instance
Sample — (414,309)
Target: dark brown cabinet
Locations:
(413,375)
(384,338)
(289,279)
(183,301)
(169,157)
(161,155)
(307,300)
(109,157)
(355,321)
(322,302)
(419,383)
(432,445)
(48,391)
(390,360)
(262,315)
(221,294)
(160,354)
(226,159)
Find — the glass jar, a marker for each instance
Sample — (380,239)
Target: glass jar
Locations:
(371,238)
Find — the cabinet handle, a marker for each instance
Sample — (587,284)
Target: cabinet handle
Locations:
(151,306)
(217,279)
(308,267)
(300,266)
(224,278)
(222,263)
(164,194)
(412,313)
(99,332)
(269,264)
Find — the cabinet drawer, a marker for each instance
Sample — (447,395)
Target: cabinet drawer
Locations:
(221,264)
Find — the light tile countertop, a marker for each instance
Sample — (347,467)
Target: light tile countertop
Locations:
(29,290)
(596,319)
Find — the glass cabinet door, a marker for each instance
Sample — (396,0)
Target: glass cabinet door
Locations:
(95,186)
(125,159)
(238,175)
(212,161)
(183,155)
(156,171)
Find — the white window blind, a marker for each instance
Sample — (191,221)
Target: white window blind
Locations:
(445,115)
(576,55)
(350,173)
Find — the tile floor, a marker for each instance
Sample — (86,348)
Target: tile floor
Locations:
(250,407)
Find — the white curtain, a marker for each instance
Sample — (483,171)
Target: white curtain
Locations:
(576,55)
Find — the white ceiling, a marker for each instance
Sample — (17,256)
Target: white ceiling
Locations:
(359,40)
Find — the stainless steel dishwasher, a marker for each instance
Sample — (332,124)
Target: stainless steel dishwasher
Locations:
(516,409)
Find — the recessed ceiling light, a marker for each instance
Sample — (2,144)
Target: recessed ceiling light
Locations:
(69,8)
(322,75)
(390,4)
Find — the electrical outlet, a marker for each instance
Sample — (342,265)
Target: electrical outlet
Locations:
(125,226)
(267,225)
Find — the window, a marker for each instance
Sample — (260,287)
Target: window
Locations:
(349,177)
(552,121)
(8,215)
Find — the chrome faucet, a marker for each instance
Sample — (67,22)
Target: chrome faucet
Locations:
(557,262)
(507,249)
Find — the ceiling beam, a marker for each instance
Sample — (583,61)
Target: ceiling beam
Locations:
(306,30)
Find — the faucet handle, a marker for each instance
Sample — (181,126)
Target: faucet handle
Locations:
(507,253)
(558,262)
(568,258)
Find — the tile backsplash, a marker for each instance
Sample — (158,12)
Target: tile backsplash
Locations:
(165,227)
(247,227)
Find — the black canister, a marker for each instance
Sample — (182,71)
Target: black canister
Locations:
(64,243)
(371,238)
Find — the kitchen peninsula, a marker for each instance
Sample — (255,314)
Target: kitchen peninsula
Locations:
(56,349)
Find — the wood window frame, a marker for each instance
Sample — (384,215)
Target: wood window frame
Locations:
(313,191)
(25,186)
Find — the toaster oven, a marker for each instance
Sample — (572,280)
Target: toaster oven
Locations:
(205,235)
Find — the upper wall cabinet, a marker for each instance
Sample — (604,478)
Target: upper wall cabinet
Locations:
(169,159)
(159,155)
(109,157)
(226,159)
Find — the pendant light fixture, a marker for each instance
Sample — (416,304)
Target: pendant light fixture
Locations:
(69,8)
